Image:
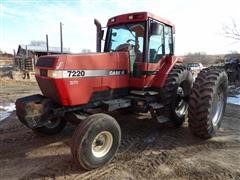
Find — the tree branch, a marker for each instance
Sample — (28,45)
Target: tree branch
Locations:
(231,31)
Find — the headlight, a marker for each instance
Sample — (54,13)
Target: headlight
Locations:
(55,74)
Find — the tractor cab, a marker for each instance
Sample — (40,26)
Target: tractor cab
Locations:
(149,41)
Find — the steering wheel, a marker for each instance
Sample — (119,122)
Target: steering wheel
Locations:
(129,40)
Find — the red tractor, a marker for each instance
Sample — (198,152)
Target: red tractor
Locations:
(136,72)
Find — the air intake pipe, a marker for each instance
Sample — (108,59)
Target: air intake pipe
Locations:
(99,35)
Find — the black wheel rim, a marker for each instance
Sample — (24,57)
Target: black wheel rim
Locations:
(53,123)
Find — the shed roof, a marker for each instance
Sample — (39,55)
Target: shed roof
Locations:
(44,49)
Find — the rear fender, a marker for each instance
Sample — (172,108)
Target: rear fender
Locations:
(164,70)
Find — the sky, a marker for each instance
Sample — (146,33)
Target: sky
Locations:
(199,24)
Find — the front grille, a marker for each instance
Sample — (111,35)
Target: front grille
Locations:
(43,72)
(46,62)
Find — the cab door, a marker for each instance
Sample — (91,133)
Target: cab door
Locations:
(144,71)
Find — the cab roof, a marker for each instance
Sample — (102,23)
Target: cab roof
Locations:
(136,17)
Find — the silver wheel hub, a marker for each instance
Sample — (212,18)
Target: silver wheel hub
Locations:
(102,143)
(181,105)
(217,108)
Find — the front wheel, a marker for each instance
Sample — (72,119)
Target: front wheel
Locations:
(208,101)
(95,141)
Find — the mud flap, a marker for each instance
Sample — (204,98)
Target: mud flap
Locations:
(33,111)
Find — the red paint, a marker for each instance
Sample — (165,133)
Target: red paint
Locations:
(77,91)
(163,67)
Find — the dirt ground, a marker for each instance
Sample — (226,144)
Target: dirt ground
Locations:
(148,150)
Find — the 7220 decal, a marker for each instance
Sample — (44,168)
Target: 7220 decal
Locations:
(75,73)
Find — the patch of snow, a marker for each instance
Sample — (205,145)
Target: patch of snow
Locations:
(234,99)
(233,94)
(5,111)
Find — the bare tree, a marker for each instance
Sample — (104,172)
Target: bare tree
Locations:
(195,57)
(232,31)
(202,57)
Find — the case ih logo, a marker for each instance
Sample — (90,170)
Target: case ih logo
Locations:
(117,72)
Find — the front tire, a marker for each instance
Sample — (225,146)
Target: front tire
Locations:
(95,141)
(207,102)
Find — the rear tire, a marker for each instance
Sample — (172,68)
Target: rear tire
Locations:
(175,95)
(95,141)
(207,102)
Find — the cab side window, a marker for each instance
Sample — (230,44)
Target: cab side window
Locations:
(168,40)
(156,42)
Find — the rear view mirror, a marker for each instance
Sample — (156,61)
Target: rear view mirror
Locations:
(156,29)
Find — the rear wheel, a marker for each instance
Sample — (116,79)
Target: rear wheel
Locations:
(207,102)
(175,95)
(95,141)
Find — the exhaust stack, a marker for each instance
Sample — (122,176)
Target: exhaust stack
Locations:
(98,35)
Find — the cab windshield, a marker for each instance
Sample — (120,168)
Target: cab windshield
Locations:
(127,37)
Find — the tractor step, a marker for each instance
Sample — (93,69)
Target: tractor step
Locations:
(143,93)
(156,105)
(115,104)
